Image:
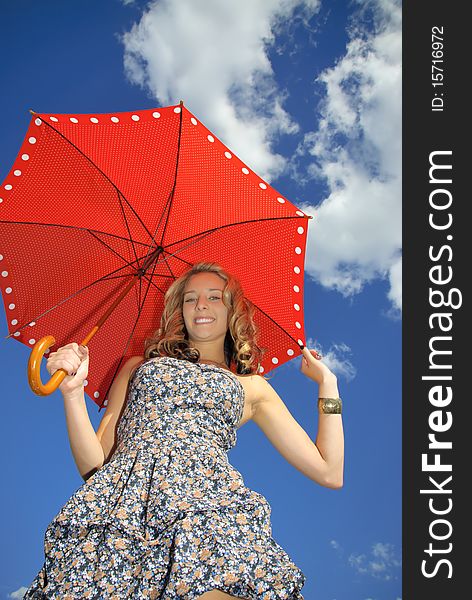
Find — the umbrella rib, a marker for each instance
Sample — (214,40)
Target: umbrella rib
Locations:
(127,263)
(144,275)
(208,231)
(257,306)
(103,278)
(98,169)
(274,322)
(127,226)
(171,193)
(130,264)
(140,309)
(125,239)
(139,292)
(113,250)
(186,262)
(177,162)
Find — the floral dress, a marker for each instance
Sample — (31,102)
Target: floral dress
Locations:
(169,516)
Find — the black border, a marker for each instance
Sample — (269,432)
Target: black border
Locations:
(426,131)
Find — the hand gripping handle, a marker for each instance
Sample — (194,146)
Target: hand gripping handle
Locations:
(34,369)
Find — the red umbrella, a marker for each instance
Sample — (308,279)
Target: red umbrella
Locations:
(101,212)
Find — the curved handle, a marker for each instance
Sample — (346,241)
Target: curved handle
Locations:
(34,363)
(34,369)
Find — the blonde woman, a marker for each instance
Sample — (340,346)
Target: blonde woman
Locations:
(162,513)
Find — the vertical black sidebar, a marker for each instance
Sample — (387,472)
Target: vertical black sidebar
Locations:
(437,237)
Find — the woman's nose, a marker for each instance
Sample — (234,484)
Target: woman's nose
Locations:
(201,303)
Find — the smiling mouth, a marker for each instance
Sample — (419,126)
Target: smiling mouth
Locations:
(205,322)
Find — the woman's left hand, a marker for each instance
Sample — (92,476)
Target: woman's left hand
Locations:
(313,368)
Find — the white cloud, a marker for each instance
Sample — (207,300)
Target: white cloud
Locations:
(336,358)
(381,564)
(355,236)
(19,593)
(395,275)
(357,561)
(214,56)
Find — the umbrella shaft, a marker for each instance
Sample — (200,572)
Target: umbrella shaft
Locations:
(108,312)
(147,263)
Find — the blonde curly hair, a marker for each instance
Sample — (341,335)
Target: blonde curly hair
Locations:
(240,344)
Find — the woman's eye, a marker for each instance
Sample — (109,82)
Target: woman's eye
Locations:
(211,298)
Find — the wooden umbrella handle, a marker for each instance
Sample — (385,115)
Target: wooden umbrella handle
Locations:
(39,349)
(34,369)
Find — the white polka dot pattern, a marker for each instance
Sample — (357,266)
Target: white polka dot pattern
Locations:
(248,198)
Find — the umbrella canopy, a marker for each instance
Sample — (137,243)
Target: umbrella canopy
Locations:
(93,201)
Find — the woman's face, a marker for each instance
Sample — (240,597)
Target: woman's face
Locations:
(205,315)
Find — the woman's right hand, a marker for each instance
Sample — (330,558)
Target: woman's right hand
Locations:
(75,360)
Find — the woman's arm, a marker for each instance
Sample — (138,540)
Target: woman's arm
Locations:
(92,450)
(89,449)
(85,446)
(330,437)
(322,461)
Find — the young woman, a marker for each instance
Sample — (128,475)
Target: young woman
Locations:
(162,513)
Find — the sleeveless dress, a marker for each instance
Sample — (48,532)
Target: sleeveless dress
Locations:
(168,516)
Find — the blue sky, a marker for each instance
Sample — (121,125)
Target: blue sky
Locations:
(308,94)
